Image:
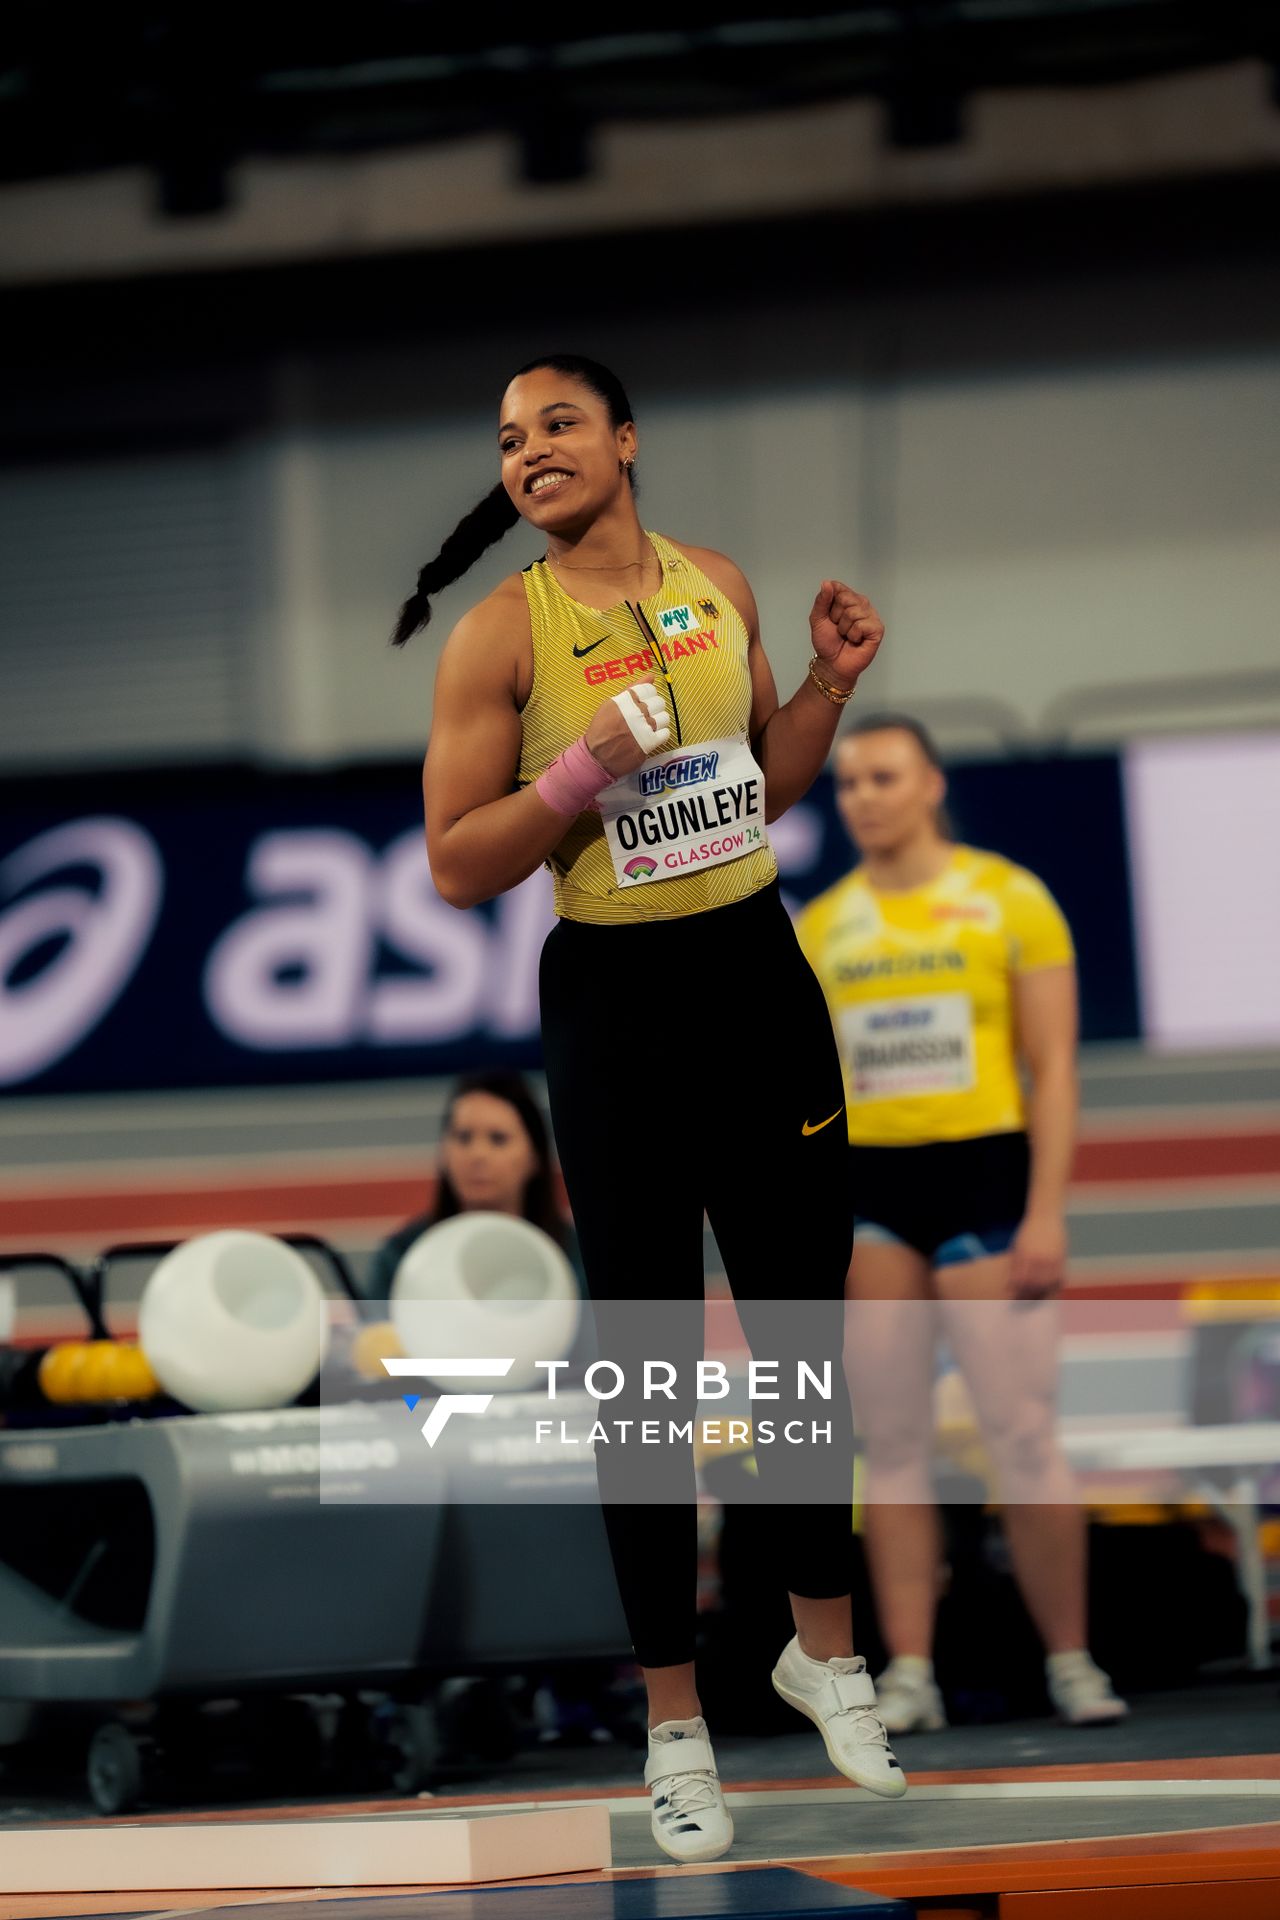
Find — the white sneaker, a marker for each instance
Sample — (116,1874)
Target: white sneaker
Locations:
(908,1697)
(1081,1691)
(838,1696)
(689,1819)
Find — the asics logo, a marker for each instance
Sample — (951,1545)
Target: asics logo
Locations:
(809,1127)
(578,651)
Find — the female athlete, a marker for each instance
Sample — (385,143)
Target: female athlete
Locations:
(945,969)
(610,712)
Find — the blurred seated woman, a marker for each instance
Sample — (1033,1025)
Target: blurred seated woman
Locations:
(495,1157)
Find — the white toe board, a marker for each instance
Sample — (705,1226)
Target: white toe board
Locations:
(378,1850)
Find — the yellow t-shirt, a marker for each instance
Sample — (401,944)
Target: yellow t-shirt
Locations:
(696,642)
(920,987)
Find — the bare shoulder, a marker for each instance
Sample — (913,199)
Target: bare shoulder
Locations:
(492,644)
(727,575)
(505,611)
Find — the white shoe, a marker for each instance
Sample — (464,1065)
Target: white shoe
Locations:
(689,1819)
(908,1698)
(1082,1692)
(838,1696)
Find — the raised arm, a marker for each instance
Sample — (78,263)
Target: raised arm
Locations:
(482,837)
(792,742)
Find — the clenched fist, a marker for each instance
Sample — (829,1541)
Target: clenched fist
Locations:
(628,727)
(846,631)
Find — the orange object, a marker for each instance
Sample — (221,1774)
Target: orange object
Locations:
(87,1372)
(1211,1872)
(1208,1900)
(371,1346)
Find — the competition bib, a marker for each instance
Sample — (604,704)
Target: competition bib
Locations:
(681,812)
(921,1044)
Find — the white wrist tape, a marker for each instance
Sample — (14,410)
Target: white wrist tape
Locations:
(645,712)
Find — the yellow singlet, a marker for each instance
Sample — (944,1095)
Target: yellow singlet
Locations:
(696,641)
(920,987)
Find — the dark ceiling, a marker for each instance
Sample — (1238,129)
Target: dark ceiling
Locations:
(190,90)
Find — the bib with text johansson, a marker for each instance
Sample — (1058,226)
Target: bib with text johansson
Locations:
(683,812)
(922,1043)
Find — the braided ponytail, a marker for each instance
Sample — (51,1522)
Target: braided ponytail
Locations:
(475,532)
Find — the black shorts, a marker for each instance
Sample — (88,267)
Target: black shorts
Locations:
(952,1200)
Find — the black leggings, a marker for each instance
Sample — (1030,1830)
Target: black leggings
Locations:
(691,1066)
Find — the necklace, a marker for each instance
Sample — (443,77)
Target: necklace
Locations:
(567,566)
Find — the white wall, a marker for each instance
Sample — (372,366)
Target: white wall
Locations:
(1203,825)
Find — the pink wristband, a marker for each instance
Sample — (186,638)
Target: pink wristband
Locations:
(572,782)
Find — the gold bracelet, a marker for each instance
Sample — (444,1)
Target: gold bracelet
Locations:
(838,696)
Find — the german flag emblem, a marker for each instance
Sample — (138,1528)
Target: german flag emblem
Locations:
(709,609)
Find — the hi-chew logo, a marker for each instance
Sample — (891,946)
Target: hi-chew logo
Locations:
(690,770)
(426,1368)
(640,867)
(677,620)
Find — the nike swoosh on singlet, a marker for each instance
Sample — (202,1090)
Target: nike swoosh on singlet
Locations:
(579,651)
(807,1128)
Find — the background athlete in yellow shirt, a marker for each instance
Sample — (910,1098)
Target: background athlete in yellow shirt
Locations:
(947,970)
